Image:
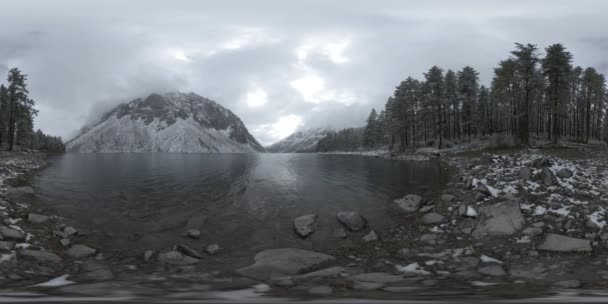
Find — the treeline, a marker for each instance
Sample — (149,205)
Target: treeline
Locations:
(533,98)
(17,114)
(344,140)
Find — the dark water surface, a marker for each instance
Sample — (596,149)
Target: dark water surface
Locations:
(244,202)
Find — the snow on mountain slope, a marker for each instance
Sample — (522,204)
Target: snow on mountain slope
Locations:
(301,141)
(172,122)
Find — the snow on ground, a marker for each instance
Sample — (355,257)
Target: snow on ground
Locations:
(56,282)
(412,268)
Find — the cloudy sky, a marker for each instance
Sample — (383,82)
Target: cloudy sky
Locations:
(279,65)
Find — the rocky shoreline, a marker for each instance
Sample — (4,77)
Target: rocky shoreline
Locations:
(532,220)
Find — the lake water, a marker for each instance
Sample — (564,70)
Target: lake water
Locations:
(132,202)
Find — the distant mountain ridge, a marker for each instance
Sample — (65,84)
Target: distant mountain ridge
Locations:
(300,141)
(170,122)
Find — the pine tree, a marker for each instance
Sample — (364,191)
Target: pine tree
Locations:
(557,68)
(526,59)
(20,106)
(468,88)
(371,130)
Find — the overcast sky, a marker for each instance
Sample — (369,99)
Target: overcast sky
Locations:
(279,65)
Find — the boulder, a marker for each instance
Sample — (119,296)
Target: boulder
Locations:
(19,193)
(193,233)
(558,242)
(480,196)
(433,218)
(184,249)
(492,269)
(564,173)
(11,234)
(408,204)
(284,262)
(40,256)
(65,242)
(426,209)
(447,198)
(370,237)
(524,173)
(80,251)
(305,225)
(352,220)
(499,220)
(37,218)
(548,177)
(541,162)
(481,188)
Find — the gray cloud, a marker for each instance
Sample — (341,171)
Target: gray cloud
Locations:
(83,57)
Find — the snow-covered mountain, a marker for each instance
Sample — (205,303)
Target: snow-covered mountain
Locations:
(300,141)
(171,122)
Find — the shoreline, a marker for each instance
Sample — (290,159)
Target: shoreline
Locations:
(434,247)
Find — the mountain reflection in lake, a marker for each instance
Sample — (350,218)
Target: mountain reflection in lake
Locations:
(133,202)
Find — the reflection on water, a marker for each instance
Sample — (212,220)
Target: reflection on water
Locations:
(244,202)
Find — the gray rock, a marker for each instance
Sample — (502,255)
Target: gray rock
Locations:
(40,256)
(213,249)
(426,209)
(80,251)
(323,273)
(498,220)
(564,173)
(568,284)
(481,188)
(37,218)
(320,290)
(524,173)
(283,262)
(447,198)
(429,238)
(480,196)
(370,237)
(408,204)
(367,286)
(95,272)
(6,246)
(184,249)
(339,233)
(352,220)
(193,233)
(557,242)
(533,231)
(11,234)
(305,225)
(19,193)
(541,162)
(378,277)
(462,210)
(492,269)
(148,255)
(64,242)
(69,231)
(433,218)
(549,178)
(176,258)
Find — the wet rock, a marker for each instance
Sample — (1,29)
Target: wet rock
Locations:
(524,173)
(568,284)
(148,255)
(320,290)
(352,220)
(408,204)
(37,218)
(447,198)
(213,249)
(283,262)
(40,256)
(19,193)
(462,210)
(339,233)
(548,177)
(80,251)
(69,231)
(432,218)
(557,242)
(193,233)
(378,277)
(11,234)
(370,237)
(541,162)
(305,225)
(564,173)
(499,219)
(426,209)
(6,246)
(492,269)
(184,249)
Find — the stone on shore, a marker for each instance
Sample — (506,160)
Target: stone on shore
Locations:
(6,246)
(37,218)
(80,251)
(370,237)
(148,255)
(11,234)
(175,258)
(40,256)
(284,262)
(492,269)
(352,220)
(213,249)
(19,193)
(447,198)
(499,220)
(408,204)
(193,233)
(432,218)
(305,225)
(548,177)
(541,162)
(524,173)
(378,277)
(69,231)
(564,173)
(95,272)
(184,249)
(562,243)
